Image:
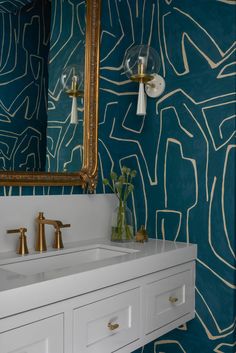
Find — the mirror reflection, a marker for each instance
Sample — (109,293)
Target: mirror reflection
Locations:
(37,132)
(65,110)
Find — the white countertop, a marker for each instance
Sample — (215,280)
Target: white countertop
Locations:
(19,293)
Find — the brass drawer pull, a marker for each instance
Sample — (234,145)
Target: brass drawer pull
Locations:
(173,300)
(112,327)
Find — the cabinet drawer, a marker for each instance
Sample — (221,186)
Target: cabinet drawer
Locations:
(44,336)
(108,324)
(168,299)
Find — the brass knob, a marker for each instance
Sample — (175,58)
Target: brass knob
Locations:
(173,300)
(112,327)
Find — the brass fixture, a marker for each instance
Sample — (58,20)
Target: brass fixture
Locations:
(112,327)
(173,300)
(40,241)
(141,235)
(141,64)
(22,248)
(73,72)
(141,76)
(40,244)
(72,83)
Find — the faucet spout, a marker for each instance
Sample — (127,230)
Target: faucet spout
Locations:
(40,244)
(57,224)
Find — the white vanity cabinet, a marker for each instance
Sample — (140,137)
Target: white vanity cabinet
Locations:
(44,336)
(109,324)
(143,309)
(116,307)
(120,318)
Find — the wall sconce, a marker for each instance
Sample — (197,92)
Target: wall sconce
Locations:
(72,83)
(141,64)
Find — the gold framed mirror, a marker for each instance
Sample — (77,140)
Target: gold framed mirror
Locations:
(87,176)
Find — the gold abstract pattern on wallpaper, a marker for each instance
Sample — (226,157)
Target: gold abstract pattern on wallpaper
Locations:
(184,148)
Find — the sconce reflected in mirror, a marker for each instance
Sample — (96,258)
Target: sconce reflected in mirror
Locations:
(141,64)
(72,80)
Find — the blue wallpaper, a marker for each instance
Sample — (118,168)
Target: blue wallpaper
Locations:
(35,129)
(30,35)
(24,37)
(67,41)
(184,149)
(12,6)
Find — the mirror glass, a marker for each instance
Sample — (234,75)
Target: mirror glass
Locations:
(66,59)
(48,132)
(36,133)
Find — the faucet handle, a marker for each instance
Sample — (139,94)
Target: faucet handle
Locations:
(22,249)
(58,243)
(58,224)
(64,226)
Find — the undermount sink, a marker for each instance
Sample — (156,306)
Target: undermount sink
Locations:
(62,261)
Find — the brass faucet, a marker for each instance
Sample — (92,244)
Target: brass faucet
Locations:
(40,244)
(22,248)
(41,241)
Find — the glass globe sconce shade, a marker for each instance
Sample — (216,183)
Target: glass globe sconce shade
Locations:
(72,84)
(141,64)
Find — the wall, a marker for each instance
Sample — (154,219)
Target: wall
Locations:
(69,209)
(26,42)
(38,41)
(24,37)
(67,40)
(9,6)
(183,150)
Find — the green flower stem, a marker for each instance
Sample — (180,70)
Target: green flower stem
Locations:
(122,187)
(122,230)
(120,220)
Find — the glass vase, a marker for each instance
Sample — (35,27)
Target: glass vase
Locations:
(122,224)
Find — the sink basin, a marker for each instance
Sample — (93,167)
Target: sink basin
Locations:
(61,261)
